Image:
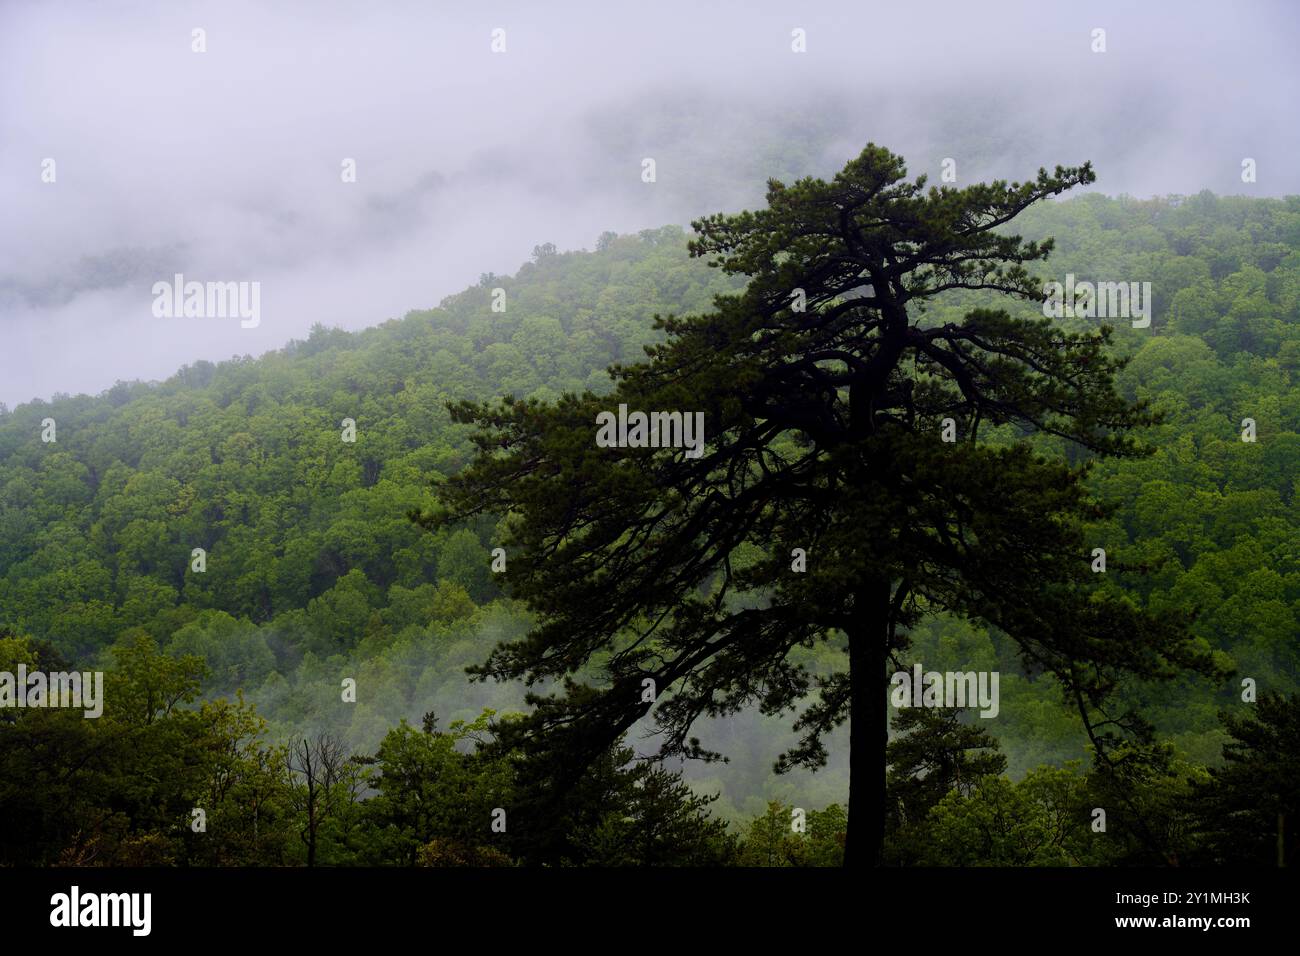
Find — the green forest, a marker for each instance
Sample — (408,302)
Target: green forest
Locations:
(285,617)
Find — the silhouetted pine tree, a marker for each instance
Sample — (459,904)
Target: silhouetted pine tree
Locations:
(824,392)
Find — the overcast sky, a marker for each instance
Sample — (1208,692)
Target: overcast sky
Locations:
(225,165)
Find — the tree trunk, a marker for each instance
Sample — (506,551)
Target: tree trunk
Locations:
(868,728)
(869,637)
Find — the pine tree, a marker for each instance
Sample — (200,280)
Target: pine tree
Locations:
(933,753)
(824,392)
(1250,808)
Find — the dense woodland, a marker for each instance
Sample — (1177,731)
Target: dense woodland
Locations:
(224,686)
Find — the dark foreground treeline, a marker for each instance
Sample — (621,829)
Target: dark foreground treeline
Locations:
(156,780)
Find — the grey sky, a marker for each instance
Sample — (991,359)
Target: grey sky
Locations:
(225,165)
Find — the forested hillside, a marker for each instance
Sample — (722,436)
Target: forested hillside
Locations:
(315,573)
